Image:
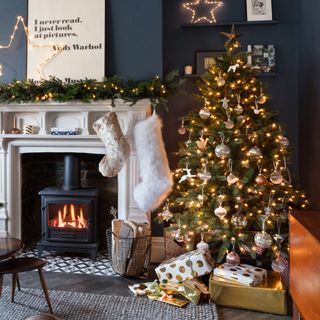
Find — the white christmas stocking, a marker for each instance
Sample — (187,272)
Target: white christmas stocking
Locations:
(117,148)
(153,163)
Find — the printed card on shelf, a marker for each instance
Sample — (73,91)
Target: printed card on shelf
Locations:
(242,274)
(187,266)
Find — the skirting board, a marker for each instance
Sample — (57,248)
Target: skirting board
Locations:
(157,250)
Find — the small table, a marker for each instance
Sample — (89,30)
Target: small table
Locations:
(9,246)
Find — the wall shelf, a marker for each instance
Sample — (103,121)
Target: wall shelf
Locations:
(229,23)
(264,74)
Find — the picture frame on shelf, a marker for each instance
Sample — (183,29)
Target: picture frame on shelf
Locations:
(262,57)
(206,59)
(259,10)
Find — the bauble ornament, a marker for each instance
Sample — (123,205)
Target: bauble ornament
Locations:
(202,246)
(222,151)
(231,178)
(233,258)
(263,239)
(166,214)
(279,264)
(260,179)
(238,220)
(283,141)
(276,177)
(205,175)
(178,236)
(229,124)
(204,113)
(262,99)
(220,212)
(182,130)
(238,109)
(255,152)
(221,82)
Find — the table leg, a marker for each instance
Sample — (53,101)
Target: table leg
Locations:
(45,289)
(14,282)
(1,281)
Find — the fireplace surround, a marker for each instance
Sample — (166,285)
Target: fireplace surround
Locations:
(44,116)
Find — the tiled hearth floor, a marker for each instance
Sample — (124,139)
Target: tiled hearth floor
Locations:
(74,263)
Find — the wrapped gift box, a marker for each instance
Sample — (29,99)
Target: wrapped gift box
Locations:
(187,266)
(192,289)
(243,274)
(268,296)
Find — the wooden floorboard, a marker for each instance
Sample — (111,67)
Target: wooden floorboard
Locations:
(117,286)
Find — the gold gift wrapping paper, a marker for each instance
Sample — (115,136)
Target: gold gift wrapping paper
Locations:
(268,296)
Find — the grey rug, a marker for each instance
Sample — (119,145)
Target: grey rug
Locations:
(82,306)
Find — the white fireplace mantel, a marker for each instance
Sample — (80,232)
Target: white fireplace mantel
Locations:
(44,116)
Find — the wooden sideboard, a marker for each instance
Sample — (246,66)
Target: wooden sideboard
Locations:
(305,264)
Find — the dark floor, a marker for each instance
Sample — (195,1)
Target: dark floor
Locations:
(117,286)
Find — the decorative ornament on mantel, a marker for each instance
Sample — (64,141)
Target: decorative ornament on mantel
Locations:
(203,10)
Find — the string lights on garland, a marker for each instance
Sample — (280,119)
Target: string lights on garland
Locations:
(58,48)
(156,90)
(196,7)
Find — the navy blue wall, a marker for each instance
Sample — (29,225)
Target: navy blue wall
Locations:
(13,60)
(133,39)
(180,45)
(309,98)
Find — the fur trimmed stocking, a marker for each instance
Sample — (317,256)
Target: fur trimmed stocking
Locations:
(117,147)
(153,163)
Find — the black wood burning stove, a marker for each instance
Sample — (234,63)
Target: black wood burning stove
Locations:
(69,214)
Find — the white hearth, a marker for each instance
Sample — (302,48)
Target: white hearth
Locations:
(44,116)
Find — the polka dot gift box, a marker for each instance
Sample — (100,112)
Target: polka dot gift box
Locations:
(187,266)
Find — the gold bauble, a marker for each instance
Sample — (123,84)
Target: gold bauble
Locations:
(260,180)
(262,99)
(221,82)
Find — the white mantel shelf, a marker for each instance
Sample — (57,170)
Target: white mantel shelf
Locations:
(46,115)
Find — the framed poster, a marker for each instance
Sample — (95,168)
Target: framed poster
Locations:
(259,10)
(262,57)
(206,59)
(66,40)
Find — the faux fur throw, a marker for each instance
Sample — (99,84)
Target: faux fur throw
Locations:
(153,164)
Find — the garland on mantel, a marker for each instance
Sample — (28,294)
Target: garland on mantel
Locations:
(156,90)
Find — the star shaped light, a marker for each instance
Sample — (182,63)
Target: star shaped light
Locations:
(53,54)
(199,5)
(231,36)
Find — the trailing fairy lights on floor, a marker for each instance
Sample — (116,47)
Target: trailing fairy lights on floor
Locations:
(194,8)
(58,47)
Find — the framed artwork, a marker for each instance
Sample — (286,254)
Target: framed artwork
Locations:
(67,40)
(206,59)
(259,10)
(262,57)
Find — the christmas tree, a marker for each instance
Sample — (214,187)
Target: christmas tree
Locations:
(233,183)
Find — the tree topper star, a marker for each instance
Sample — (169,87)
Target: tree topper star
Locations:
(231,36)
(197,5)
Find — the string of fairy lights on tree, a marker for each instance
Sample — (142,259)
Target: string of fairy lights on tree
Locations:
(233,182)
(58,48)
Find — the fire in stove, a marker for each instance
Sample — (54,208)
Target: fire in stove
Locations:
(70,216)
